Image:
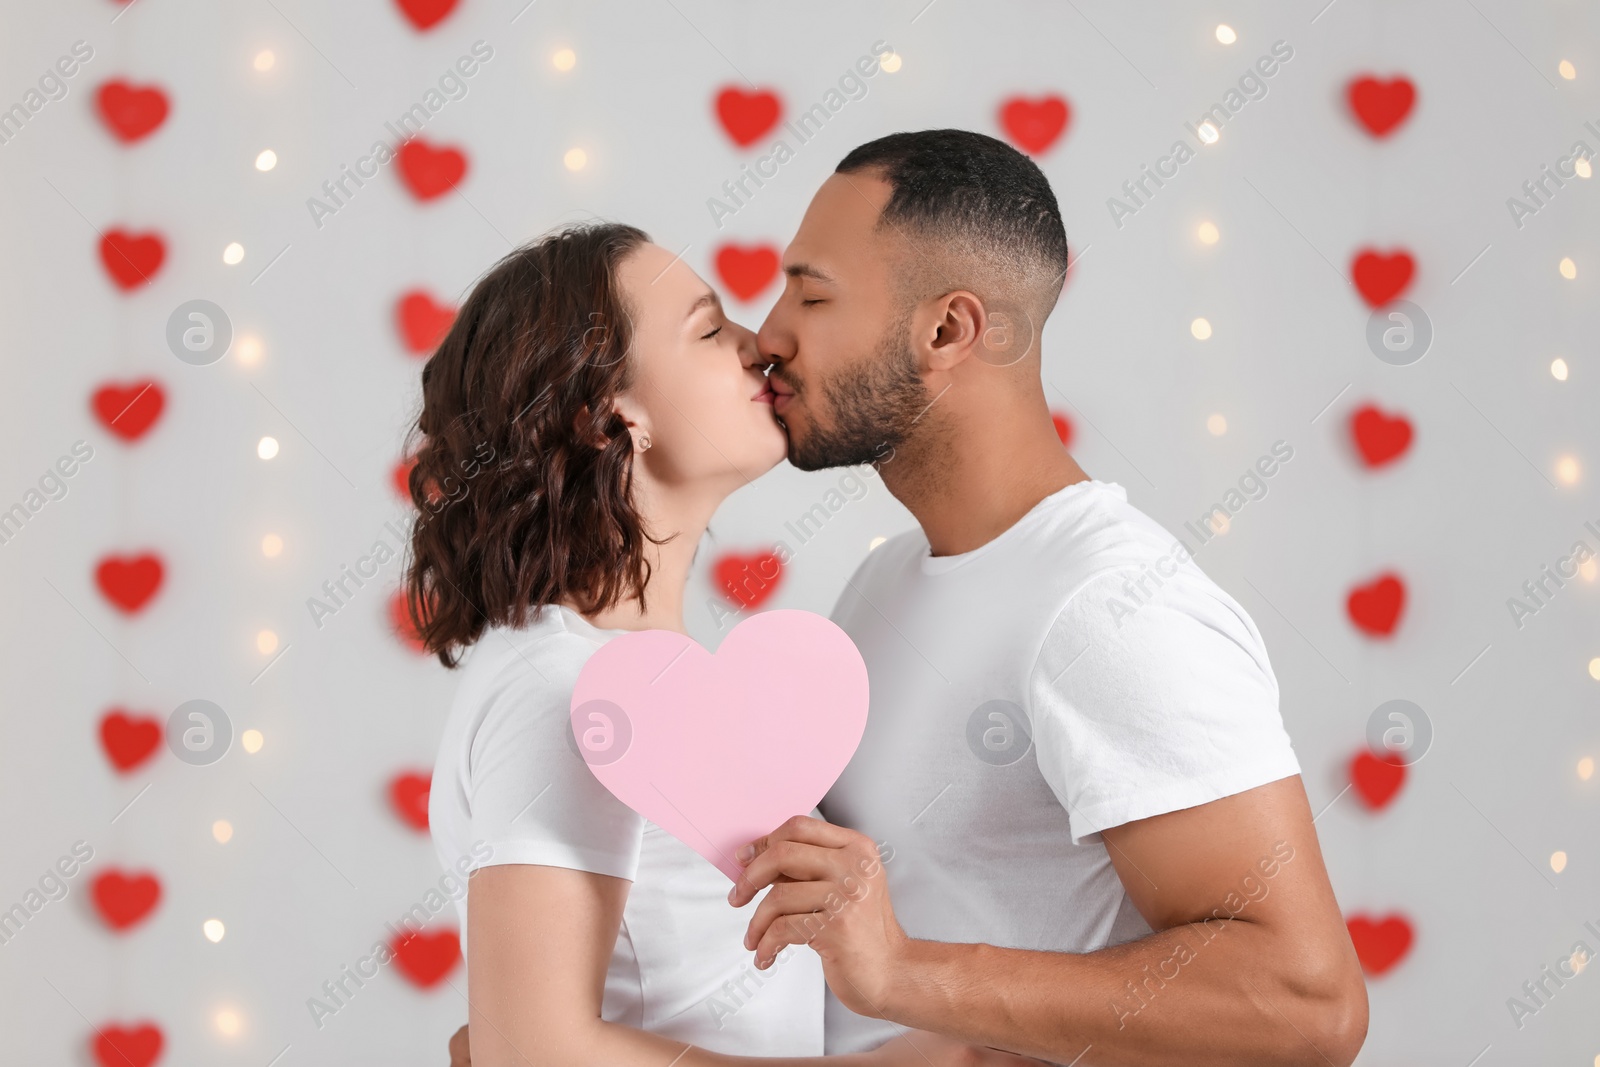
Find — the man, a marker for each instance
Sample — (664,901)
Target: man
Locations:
(1101,848)
(1100,839)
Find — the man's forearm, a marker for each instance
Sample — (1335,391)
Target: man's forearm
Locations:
(1222,992)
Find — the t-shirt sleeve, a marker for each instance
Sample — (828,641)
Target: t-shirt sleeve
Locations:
(1144,706)
(530,796)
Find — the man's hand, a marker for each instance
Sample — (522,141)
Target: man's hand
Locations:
(923,1048)
(829,891)
(460,1054)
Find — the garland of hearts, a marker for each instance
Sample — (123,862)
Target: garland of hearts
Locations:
(1380,439)
(124,899)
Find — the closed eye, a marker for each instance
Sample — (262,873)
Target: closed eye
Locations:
(808,303)
(713,333)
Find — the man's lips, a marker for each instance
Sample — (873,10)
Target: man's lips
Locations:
(781,393)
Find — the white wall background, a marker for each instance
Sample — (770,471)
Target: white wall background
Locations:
(318,863)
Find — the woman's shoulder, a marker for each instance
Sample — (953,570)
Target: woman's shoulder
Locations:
(547,651)
(519,674)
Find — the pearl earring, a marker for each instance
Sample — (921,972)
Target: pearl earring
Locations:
(644,443)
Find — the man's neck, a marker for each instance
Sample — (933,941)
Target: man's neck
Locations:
(967,488)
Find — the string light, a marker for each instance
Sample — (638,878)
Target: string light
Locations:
(266,642)
(875,542)
(271,546)
(575,159)
(266,160)
(1218,426)
(267,447)
(1220,523)
(1583,167)
(1201,329)
(1567,469)
(1586,768)
(251,741)
(564,59)
(227,1022)
(1225,34)
(1208,233)
(1569,269)
(249,349)
(213,930)
(233,254)
(264,60)
(1588,568)
(1558,861)
(1594,669)
(1208,133)
(1566,69)
(1558,369)
(222,831)
(890,62)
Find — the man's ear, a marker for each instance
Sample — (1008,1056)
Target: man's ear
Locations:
(952,331)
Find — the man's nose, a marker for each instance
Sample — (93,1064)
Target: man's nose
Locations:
(773,340)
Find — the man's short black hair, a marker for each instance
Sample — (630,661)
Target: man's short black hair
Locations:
(975,192)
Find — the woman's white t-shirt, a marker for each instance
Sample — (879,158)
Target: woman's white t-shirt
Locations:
(510,787)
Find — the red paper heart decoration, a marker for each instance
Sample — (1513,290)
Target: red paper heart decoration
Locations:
(746,116)
(1375,607)
(131,259)
(423,321)
(1380,438)
(1382,278)
(747,581)
(136,1046)
(129,111)
(409,794)
(747,270)
(1381,106)
(1063,427)
(424,14)
(400,622)
(428,171)
(1380,944)
(425,959)
(125,899)
(129,581)
(129,740)
(1376,781)
(402,476)
(1034,125)
(129,410)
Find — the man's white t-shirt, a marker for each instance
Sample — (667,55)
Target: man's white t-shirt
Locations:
(510,787)
(1025,696)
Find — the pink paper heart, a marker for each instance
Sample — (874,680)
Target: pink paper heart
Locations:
(720,749)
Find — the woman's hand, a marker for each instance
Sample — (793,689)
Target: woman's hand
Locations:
(922,1048)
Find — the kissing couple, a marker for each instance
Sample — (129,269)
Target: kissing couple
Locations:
(1071,833)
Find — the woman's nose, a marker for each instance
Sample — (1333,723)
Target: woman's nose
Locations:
(749,352)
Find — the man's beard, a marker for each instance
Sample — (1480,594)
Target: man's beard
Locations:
(873,407)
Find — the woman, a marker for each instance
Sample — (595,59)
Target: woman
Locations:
(583,418)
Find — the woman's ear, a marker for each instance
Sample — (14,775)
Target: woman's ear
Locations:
(580,427)
(634,418)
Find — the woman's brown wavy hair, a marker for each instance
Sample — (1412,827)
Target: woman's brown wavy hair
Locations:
(523,473)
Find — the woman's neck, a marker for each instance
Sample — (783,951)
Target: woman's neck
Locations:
(677,514)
